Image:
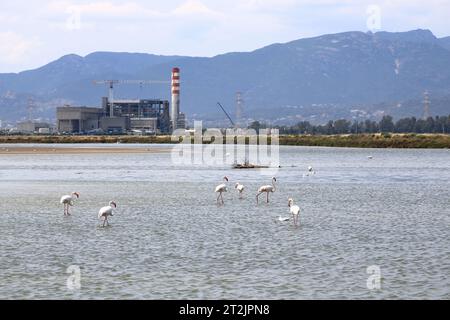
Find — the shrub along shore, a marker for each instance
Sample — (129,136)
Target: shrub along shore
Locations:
(383,140)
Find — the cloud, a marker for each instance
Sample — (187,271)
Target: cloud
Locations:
(14,48)
(102,8)
(193,7)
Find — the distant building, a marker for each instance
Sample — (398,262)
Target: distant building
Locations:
(78,119)
(144,115)
(31,126)
(181,121)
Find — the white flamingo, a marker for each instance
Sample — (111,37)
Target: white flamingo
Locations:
(106,212)
(294,210)
(240,188)
(221,188)
(266,189)
(68,201)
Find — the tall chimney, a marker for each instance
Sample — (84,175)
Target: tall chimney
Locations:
(175,97)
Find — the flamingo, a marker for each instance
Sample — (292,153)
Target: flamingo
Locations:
(68,200)
(106,212)
(221,188)
(294,210)
(266,189)
(240,188)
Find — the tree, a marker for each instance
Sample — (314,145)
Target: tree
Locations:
(256,125)
(341,126)
(386,124)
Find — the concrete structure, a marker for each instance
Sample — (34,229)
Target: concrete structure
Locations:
(146,115)
(33,126)
(78,119)
(140,112)
(115,124)
(149,125)
(175,97)
(181,121)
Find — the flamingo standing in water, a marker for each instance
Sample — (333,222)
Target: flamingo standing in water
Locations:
(240,188)
(221,188)
(106,212)
(68,201)
(294,210)
(266,189)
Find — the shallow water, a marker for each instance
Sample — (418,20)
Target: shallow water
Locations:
(170,240)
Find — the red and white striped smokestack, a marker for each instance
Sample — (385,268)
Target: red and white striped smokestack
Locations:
(175,97)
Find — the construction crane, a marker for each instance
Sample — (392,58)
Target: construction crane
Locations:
(111,84)
(226,113)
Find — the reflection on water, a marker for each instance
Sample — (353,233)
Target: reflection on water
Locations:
(169,239)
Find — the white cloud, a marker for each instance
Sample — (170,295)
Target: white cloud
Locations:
(193,7)
(190,27)
(15,48)
(102,8)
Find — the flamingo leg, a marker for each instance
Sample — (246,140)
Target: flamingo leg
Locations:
(221,197)
(104,222)
(267,197)
(218,198)
(257,197)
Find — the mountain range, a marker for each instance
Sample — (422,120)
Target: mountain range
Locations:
(317,79)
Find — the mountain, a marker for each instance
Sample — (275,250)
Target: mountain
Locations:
(329,76)
(445,42)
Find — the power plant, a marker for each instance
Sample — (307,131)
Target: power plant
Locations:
(154,116)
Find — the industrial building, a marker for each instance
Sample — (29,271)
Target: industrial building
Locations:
(77,119)
(145,114)
(121,116)
(31,126)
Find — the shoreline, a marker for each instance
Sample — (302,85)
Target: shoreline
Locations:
(390,140)
(40,150)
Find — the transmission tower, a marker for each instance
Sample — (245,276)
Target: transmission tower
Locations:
(239,109)
(30,108)
(426,105)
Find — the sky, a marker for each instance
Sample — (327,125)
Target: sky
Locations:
(33,33)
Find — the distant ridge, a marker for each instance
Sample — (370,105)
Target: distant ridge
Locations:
(335,71)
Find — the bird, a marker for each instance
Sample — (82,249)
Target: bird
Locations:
(106,212)
(283,219)
(240,188)
(266,189)
(221,188)
(68,201)
(294,210)
(311,171)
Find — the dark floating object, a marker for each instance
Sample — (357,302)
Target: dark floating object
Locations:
(248,166)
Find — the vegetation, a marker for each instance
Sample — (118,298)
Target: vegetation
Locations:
(386,124)
(385,140)
(379,140)
(404,133)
